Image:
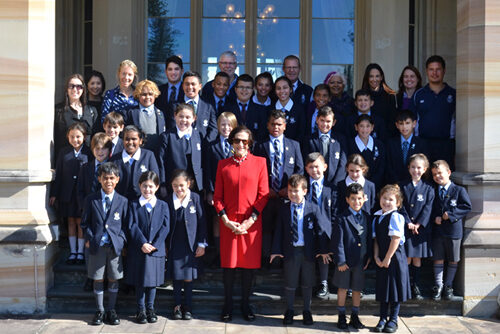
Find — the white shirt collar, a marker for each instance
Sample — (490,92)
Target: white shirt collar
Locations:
(115,140)
(361,146)
(77,153)
(360,181)
(126,158)
(408,140)
(143,201)
(181,134)
(185,201)
(196,99)
(318,181)
(446,186)
(288,106)
(149,110)
(97,163)
(381,213)
(280,138)
(266,103)
(295,85)
(103,195)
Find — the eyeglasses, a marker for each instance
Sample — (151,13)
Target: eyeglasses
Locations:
(244,87)
(237,141)
(227,63)
(291,67)
(78,87)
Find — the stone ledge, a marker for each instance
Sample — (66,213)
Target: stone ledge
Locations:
(40,234)
(475,179)
(26,175)
(485,239)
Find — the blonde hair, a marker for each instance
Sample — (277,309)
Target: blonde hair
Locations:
(393,189)
(230,117)
(149,84)
(131,64)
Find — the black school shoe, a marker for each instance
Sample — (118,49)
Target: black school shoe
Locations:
(186,314)
(151,316)
(288,318)
(391,326)
(355,322)
(342,321)
(307,318)
(112,318)
(323,291)
(141,317)
(436,292)
(415,291)
(98,318)
(71,259)
(448,293)
(247,312)
(380,326)
(177,313)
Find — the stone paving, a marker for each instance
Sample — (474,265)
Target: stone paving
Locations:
(78,323)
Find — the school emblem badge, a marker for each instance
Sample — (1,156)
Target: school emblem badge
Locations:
(255,126)
(292,120)
(329,202)
(311,225)
(303,98)
(413,146)
(143,169)
(366,198)
(449,99)
(291,161)
(453,202)
(420,197)
(337,155)
(116,216)
(198,146)
(192,209)
(205,122)
(375,153)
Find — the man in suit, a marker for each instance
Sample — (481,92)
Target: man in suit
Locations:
(171,92)
(301,92)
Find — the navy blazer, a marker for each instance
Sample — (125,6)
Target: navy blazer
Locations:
(369,190)
(208,89)
(302,94)
(346,243)
(196,226)
(457,203)
(292,160)
(95,222)
(328,205)
(340,126)
(167,107)
(211,100)
(67,171)
(85,180)
(172,156)
(313,227)
(141,231)
(396,169)
(128,185)
(296,123)
(417,203)
(336,158)
(379,130)
(214,153)
(206,121)
(118,147)
(374,159)
(131,117)
(256,117)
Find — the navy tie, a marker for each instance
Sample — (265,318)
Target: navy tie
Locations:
(405,148)
(442,193)
(107,201)
(173,93)
(295,222)
(95,181)
(315,191)
(276,184)
(227,148)
(243,107)
(324,143)
(220,104)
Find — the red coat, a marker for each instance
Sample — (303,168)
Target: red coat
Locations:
(239,188)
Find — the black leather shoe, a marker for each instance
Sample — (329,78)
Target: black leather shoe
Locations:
(288,319)
(380,326)
(391,327)
(98,318)
(80,259)
(89,285)
(226,317)
(141,318)
(177,313)
(151,316)
(248,315)
(112,318)
(342,321)
(307,318)
(436,292)
(323,291)
(71,258)
(448,293)
(355,322)
(415,291)
(186,314)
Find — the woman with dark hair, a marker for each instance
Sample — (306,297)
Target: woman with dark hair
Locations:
(341,102)
(73,109)
(409,82)
(383,96)
(241,192)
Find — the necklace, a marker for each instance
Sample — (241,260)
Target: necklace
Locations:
(239,160)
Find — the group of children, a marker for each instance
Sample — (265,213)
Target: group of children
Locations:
(108,195)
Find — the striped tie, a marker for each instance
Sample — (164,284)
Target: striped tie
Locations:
(276,183)
(295,222)
(315,191)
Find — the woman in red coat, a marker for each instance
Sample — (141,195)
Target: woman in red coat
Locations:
(241,191)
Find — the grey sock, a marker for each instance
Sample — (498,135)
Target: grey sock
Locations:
(99,295)
(113,292)
(451,270)
(290,297)
(307,296)
(438,274)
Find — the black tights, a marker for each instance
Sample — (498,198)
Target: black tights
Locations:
(246,287)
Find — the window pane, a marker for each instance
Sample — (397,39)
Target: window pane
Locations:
(277,38)
(333,9)
(223,8)
(220,35)
(278,8)
(209,71)
(319,73)
(169,8)
(156,72)
(275,70)
(166,37)
(332,41)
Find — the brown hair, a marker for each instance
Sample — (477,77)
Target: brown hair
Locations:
(83,97)
(438,163)
(238,129)
(358,160)
(114,119)
(392,189)
(101,139)
(297,180)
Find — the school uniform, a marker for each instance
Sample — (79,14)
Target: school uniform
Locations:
(181,150)
(379,127)
(334,155)
(252,115)
(105,233)
(417,202)
(384,105)
(170,95)
(374,155)
(64,188)
(352,245)
(208,89)
(393,283)
(325,195)
(368,189)
(301,94)
(219,104)
(117,146)
(299,242)
(206,122)
(151,121)
(216,151)
(131,169)
(87,180)
(295,119)
(188,232)
(454,200)
(340,126)
(397,160)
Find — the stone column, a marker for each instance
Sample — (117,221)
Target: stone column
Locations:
(478,150)
(27,59)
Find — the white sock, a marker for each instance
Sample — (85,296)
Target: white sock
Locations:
(81,245)
(72,244)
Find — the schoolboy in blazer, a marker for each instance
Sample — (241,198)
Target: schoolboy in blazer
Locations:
(368,189)
(219,100)
(171,92)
